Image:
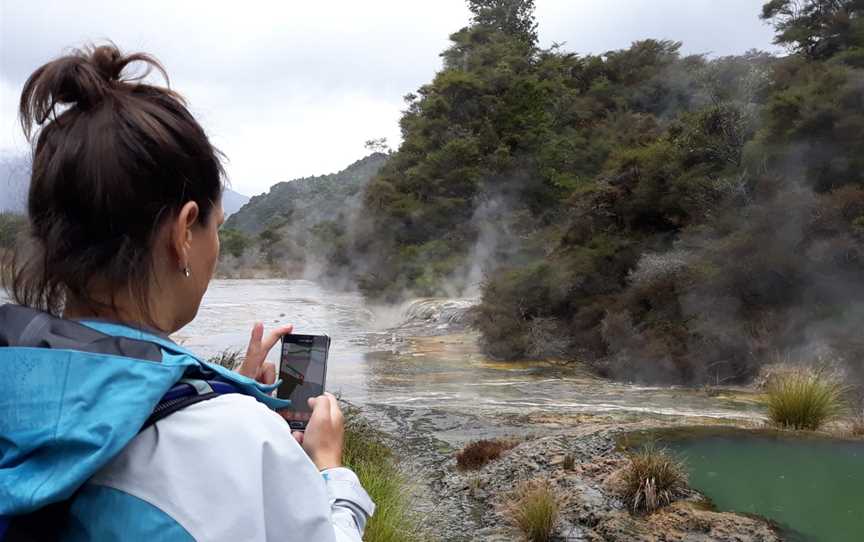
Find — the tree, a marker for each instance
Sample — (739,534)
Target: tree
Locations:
(513,17)
(234,242)
(378,145)
(818,29)
(270,241)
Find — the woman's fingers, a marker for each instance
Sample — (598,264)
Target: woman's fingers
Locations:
(298,436)
(274,336)
(260,345)
(325,432)
(252,361)
(267,373)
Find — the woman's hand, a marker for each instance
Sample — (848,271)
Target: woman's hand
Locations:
(325,432)
(254,365)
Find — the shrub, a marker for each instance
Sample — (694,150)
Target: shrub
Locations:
(653,479)
(234,242)
(367,455)
(804,399)
(533,509)
(478,453)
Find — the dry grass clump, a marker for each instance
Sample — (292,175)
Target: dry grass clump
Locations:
(229,359)
(805,399)
(653,479)
(480,452)
(533,509)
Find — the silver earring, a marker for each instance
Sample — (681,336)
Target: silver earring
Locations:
(187,272)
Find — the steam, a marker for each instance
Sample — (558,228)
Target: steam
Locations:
(491,221)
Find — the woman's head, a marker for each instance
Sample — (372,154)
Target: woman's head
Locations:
(125,195)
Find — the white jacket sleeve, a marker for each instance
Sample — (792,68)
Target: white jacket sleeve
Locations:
(229,469)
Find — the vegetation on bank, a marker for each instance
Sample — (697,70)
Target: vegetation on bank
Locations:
(368,456)
(533,508)
(665,217)
(653,478)
(805,399)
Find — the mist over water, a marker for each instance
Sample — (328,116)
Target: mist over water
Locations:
(371,364)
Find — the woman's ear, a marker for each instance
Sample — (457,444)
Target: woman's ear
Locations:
(181,233)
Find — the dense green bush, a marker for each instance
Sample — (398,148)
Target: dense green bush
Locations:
(685,217)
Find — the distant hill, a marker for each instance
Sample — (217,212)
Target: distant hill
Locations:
(14,181)
(303,227)
(232,201)
(303,203)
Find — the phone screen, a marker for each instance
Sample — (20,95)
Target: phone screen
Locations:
(302,368)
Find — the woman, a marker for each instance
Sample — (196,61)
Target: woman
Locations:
(124,209)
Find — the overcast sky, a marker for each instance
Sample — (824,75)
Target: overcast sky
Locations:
(291,88)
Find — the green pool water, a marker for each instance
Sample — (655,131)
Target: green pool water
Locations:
(812,487)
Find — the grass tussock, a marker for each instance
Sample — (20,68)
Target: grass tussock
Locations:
(230,359)
(805,399)
(367,455)
(533,509)
(481,452)
(653,479)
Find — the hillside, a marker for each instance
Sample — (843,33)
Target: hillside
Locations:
(306,201)
(300,223)
(233,201)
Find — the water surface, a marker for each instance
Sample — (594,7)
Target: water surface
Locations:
(812,486)
(372,365)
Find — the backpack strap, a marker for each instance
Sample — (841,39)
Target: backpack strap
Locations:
(43,525)
(185,393)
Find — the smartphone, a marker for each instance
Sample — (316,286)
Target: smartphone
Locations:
(303,369)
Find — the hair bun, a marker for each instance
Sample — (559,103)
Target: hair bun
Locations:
(108,62)
(80,79)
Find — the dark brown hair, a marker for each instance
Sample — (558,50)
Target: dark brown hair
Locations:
(113,158)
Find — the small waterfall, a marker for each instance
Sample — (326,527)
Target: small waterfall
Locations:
(438,312)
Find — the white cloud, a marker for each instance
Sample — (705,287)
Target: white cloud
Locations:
(289,88)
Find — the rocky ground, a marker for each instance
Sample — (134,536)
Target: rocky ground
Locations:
(467,505)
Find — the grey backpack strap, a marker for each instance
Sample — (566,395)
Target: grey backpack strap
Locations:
(185,393)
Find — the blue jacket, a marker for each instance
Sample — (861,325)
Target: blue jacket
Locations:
(74,395)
